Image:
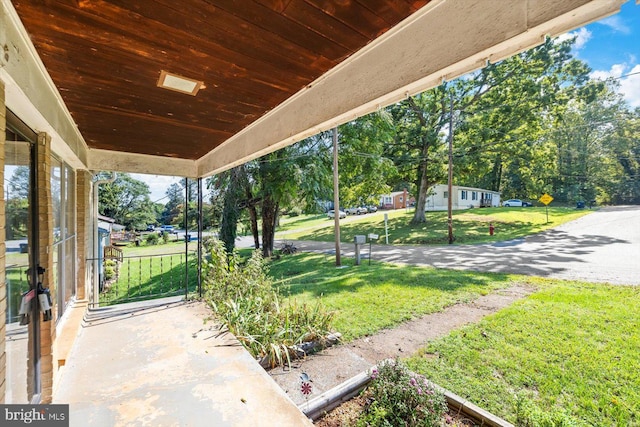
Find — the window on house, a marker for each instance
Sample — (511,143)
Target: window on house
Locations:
(464,194)
(474,195)
(446,194)
(64,231)
(400,199)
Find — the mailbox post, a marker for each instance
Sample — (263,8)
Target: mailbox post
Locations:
(359,240)
(372,237)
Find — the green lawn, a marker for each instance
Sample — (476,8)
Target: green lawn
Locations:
(568,351)
(571,347)
(151,272)
(470,226)
(367,298)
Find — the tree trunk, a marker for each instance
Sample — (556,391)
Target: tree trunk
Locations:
(231,211)
(419,215)
(269,214)
(253,218)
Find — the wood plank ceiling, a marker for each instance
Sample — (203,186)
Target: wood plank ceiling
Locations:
(105,57)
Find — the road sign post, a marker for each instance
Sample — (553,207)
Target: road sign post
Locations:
(546,199)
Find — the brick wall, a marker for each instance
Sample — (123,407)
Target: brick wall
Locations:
(84,232)
(3,289)
(45,229)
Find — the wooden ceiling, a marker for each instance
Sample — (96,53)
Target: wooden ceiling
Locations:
(105,58)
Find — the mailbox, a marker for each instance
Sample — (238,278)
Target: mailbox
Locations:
(359,239)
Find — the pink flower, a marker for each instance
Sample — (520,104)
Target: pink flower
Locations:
(374,373)
(412,381)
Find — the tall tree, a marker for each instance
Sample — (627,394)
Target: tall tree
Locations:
(127,201)
(499,112)
(364,170)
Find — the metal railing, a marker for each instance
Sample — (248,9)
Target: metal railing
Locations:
(136,278)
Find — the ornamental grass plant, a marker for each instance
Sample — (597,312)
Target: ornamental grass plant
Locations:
(243,296)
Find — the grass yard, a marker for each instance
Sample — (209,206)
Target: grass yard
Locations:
(569,348)
(150,274)
(470,226)
(367,298)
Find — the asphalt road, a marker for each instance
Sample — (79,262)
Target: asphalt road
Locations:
(601,247)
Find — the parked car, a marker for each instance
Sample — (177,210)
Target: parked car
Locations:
(516,203)
(372,208)
(331,214)
(167,228)
(356,211)
(151,227)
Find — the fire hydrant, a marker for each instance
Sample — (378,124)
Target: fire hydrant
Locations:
(491,229)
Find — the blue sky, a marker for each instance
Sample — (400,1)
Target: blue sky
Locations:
(611,47)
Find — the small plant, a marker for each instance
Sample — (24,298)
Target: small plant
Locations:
(152,239)
(399,397)
(529,415)
(165,237)
(109,269)
(245,299)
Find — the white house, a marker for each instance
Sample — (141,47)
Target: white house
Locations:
(463,198)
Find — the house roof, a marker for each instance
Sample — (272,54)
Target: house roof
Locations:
(267,72)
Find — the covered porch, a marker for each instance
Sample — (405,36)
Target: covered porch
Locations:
(192,89)
(158,363)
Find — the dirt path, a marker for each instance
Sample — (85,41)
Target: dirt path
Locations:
(335,365)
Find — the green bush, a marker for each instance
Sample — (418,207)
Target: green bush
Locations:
(152,239)
(165,237)
(399,397)
(109,269)
(244,297)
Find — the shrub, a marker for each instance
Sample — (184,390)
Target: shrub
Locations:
(165,237)
(152,239)
(244,297)
(399,397)
(109,269)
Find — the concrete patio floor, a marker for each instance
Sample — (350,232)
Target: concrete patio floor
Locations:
(157,363)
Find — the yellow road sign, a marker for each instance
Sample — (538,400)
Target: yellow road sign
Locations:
(546,199)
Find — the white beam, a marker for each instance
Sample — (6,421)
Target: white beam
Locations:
(105,160)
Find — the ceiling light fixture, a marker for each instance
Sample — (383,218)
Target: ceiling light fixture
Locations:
(180,84)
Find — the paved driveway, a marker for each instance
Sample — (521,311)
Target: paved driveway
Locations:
(601,247)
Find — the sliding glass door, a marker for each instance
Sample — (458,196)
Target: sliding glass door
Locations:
(22,321)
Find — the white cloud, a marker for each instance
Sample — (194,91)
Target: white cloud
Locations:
(629,85)
(158,184)
(616,24)
(582,37)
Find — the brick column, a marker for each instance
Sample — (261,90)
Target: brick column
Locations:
(45,229)
(84,232)
(3,286)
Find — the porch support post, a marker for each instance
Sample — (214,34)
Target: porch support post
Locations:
(200,237)
(186,240)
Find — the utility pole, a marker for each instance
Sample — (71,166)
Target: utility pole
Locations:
(336,198)
(449,205)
